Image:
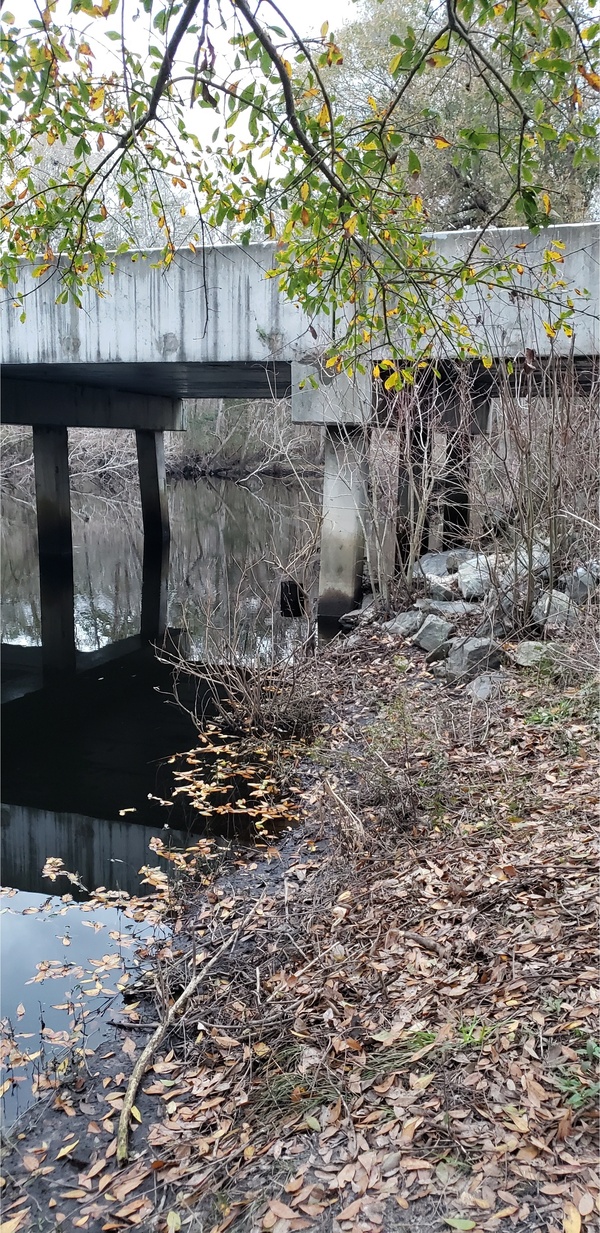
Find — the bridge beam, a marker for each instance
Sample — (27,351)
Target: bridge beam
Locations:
(87,406)
(55,546)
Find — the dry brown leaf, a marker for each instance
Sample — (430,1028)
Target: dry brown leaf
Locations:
(586,1204)
(351,1210)
(282,1211)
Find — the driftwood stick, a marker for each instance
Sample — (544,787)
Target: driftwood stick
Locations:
(158,1035)
(427,943)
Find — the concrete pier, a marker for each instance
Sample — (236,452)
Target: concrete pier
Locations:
(345,482)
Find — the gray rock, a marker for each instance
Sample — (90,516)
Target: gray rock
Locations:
(405,624)
(475,577)
(351,618)
(520,564)
(456,557)
(440,588)
(531,654)
(450,608)
(442,651)
(493,628)
(485,686)
(439,670)
(466,660)
(433,632)
(580,585)
(555,610)
(436,564)
(359,615)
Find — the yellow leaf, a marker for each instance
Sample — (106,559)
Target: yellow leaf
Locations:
(173,1222)
(392,381)
(65,1151)
(376,371)
(441,143)
(261,1049)
(350,225)
(11,1226)
(324,29)
(551,332)
(305,216)
(487,361)
(568,331)
(519,269)
(323,116)
(96,98)
(547,203)
(332,361)
(498,10)
(304,192)
(85,49)
(5,1086)
(136,1113)
(593,79)
(552,256)
(571,1219)
(395,62)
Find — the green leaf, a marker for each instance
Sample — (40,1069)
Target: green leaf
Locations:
(312,1122)
(414,163)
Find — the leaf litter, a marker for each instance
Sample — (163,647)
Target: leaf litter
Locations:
(405,1035)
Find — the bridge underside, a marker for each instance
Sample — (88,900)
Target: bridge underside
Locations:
(149,399)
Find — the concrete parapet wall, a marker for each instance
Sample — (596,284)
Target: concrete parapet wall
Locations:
(217,307)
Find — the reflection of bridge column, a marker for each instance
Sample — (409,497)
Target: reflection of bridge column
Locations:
(155,517)
(55,545)
(345,480)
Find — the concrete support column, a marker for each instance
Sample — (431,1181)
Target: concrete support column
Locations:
(456,498)
(153,484)
(155,518)
(412,481)
(55,548)
(345,482)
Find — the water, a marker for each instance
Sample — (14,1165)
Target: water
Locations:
(85,760)
(230,545)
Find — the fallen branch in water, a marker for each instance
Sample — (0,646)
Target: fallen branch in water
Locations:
(158,1036)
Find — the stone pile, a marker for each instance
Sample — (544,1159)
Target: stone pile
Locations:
(494,590)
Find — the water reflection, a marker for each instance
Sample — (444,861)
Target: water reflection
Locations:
(101,852)
(230,547)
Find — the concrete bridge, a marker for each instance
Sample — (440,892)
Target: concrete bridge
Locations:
(214,325)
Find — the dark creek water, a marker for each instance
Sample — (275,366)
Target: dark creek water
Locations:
(78,753)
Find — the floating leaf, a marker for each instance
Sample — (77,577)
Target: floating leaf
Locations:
(66,1150)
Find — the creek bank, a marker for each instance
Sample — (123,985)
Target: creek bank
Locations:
(404,1032)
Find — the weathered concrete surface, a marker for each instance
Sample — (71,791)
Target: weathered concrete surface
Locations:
(160,327)
(508,320)
(343,527)
(335,400)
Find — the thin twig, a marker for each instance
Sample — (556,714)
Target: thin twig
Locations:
(157,1036)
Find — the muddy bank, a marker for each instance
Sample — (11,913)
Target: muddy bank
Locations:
(403,1033)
